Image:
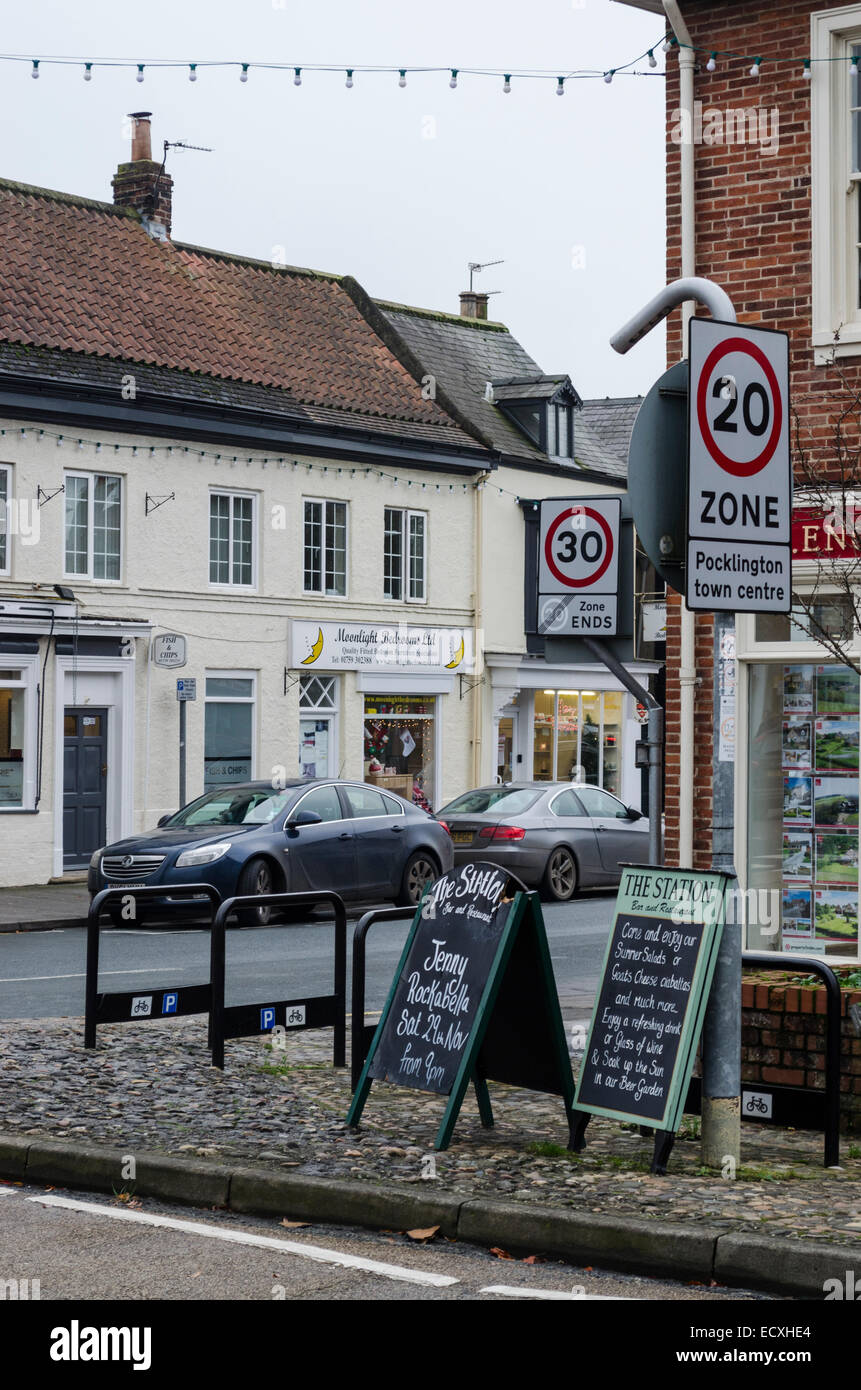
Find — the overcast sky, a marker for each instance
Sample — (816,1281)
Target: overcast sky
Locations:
(568,191)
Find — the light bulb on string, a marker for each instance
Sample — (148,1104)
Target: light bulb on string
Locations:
(805,71)
(506,85)
(297,77)
(667,44)
(853,67)
(88,72)
(349,81)
(453,82)
(560,86)
(754,72)
(608,76)
(139,77)
(192,72)
(402,79)
(34,71)
(243,76)
(711,64)
(653,62)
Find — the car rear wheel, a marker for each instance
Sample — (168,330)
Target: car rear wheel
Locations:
(420,869)
(256,878)
(560,875)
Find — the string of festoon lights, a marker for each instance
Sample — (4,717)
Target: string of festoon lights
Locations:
(106,448)
(713,58)
(193,70)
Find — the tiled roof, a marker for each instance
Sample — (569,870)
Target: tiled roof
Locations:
(465,354)
(84,278)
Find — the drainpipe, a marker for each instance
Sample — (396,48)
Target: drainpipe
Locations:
(478,641)
(687,660)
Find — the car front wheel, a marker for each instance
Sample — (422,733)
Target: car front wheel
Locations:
(255,880)
(420,870)
(560,876)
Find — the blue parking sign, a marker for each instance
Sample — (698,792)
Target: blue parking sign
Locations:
(169,1003)
(267,1020)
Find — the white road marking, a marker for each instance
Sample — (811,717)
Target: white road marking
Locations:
(285,1247)
(514,1291)
(13,1191)
(82,975)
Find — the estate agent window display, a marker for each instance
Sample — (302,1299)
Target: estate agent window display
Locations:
(802,774)
(399,746)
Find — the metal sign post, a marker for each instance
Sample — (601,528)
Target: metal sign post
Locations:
(185,690)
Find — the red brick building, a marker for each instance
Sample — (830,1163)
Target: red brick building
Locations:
(763,148)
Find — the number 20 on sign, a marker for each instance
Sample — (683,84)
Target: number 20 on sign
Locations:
(739,476)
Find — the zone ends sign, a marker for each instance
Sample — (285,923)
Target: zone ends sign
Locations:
(578,566)
(739,555)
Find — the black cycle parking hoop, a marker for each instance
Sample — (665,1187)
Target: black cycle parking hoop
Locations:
(249,1020)
(141,1004)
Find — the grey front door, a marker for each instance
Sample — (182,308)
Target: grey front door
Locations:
(85,782)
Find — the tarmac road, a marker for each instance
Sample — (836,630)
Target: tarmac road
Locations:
(42,973)
(82,1246)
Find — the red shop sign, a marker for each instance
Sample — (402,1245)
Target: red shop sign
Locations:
(815,535)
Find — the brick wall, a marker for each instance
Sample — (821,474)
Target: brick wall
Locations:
(783,1041)
(753,237)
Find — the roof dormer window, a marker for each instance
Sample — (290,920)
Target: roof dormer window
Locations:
(543,409)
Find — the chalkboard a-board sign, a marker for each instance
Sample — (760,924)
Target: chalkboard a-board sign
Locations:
(473,999)
(648,1015)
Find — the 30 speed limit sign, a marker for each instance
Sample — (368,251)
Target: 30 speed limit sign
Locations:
(578,566)
(739,476)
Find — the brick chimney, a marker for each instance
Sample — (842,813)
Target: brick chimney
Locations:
(140,184)
(473,305)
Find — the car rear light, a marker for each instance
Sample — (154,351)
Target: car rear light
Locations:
(444,826)
(501,832)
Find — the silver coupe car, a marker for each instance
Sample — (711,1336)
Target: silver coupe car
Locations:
(556,836)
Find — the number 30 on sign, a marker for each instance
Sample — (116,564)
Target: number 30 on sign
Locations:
(578,566)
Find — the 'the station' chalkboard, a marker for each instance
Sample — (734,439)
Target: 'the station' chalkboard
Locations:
(473,999)
(657,974)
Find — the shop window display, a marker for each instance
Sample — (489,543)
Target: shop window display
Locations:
(399,746)
(803,825)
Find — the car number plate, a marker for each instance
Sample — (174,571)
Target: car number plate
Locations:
(462,837)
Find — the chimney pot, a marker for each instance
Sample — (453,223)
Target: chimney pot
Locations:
(473,305)
(141,135)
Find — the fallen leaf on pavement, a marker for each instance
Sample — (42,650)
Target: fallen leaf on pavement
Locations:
(294,1225)
(423,1233)
(500,1254)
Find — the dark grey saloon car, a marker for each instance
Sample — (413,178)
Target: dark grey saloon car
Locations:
(556,836)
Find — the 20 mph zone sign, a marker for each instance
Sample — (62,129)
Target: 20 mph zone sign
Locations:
(578,566)
(739,478)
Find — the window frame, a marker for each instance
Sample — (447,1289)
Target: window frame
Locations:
(6,473)
(407,515)
(232,700)
(91,476)
(232,585)
(326,502)
(835,189)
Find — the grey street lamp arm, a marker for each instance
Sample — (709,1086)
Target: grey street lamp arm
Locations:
(716,300)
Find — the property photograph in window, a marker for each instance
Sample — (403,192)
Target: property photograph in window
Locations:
(836,915)
(796,799)
(798,689)
(835,801)
(797,736)
(837,858)
(797,855)
(836,690)
(836,745)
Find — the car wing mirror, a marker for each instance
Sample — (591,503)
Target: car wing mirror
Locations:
(163,820)
(303,818)
(634,814)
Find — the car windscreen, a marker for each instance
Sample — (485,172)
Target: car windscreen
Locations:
(501,801)
(233,806)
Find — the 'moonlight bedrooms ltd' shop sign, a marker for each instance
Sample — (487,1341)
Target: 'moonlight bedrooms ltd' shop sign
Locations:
(647,1020)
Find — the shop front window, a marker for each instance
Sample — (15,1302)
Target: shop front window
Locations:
(12,709)
(228,730)
(577,737)
(399,746)
(803,790)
